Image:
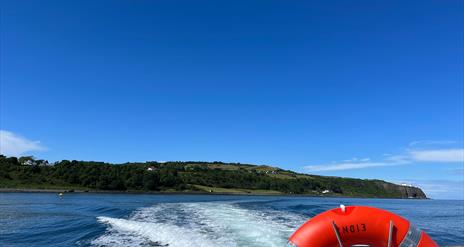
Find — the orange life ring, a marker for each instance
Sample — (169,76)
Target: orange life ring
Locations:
(359,226)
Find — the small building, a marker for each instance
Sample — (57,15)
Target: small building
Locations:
(325,191)
(151,168)
(29,163)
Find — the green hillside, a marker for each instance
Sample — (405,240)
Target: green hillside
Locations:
(191,176)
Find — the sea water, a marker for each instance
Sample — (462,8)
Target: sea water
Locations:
(92,219)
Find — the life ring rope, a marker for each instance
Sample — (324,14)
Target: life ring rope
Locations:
(390,233)
(337,234)
(412,237)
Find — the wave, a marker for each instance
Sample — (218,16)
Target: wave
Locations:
(200,224)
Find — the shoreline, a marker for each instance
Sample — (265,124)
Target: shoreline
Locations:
(80,191)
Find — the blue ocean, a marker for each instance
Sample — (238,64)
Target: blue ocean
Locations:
(93,219)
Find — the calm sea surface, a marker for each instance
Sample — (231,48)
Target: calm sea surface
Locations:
(44,219)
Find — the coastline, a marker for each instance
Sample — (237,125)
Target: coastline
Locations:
(189,178)
(27,190)
(80,191)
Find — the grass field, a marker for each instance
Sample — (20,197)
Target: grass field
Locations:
(236,191)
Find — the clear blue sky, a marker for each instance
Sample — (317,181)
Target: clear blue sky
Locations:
(371,89)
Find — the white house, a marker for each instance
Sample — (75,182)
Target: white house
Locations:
(29,163)
(407,185)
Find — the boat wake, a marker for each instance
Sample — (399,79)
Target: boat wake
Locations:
(199,224)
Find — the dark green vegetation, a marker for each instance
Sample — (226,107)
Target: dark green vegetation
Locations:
(27,173)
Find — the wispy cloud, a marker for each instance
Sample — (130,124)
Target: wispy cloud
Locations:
(431,143)
(12,144)
(459,171)
(417,154)
(439,155)
(347,166)
(357,164)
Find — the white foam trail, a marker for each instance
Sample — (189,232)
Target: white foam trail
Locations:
(162,234)
(200,225)
(245,227)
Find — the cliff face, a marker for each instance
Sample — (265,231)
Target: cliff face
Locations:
(412,192)
(405,191)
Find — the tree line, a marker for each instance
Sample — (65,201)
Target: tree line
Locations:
(173,176)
